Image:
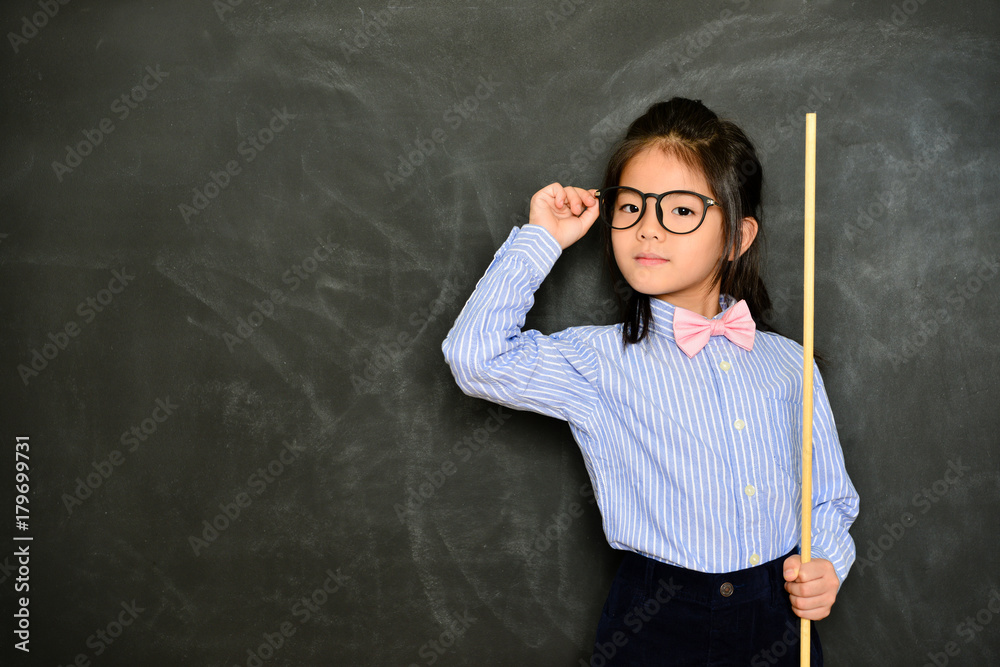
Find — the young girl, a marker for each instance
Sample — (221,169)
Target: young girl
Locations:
(688,412)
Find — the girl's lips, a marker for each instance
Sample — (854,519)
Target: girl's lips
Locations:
(647,260)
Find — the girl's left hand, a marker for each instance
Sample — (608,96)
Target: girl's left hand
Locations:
(812,586)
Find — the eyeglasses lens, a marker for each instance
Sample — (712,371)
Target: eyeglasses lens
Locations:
(622,207)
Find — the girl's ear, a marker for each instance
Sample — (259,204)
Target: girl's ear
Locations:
(749,234)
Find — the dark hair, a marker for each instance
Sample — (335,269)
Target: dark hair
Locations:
(722,152)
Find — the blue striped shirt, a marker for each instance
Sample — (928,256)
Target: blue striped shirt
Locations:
(694,462)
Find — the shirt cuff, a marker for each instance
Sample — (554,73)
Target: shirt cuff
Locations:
(538,247)
(841,575)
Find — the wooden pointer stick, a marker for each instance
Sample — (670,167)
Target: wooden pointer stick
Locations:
(807,363)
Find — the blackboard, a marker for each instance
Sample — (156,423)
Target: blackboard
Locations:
(235,233)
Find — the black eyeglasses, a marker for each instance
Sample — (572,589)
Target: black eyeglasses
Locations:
(621,207)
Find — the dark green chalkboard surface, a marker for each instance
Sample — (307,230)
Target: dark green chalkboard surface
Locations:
(235,233)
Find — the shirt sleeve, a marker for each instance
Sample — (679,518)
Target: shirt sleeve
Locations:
(835,500)
(491,358)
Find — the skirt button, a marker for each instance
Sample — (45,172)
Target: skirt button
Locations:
(726,589)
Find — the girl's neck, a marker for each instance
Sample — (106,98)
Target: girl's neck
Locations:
(706,305)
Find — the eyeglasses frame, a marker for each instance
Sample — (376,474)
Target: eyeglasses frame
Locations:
(708,201)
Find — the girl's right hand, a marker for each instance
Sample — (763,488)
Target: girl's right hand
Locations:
(567,213)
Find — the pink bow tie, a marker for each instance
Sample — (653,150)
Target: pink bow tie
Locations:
(692,331)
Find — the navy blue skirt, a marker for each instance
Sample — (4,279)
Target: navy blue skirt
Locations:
(662,615)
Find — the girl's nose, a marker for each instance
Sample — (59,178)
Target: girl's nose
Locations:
(648,226)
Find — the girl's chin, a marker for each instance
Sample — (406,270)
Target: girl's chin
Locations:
(648,287)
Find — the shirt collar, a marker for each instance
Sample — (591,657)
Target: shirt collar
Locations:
(663,314)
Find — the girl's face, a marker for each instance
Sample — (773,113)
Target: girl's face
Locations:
(675,268)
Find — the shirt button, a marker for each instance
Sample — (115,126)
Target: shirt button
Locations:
(725,365)
(754,559)
(749,490)
(740,424)
(726,589)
